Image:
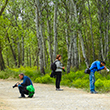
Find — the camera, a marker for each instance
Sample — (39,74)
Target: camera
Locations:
(108,70)
(15,85)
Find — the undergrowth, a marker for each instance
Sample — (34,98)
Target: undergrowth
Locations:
(76,79)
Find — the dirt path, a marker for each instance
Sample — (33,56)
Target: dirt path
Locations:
(46,98)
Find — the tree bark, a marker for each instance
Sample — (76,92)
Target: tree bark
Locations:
(93,48)
(100,30)
(69,46)
(55,29)
(13,53)
(49,37)
(3,7)
(2,64)
(39,37)
(80,34)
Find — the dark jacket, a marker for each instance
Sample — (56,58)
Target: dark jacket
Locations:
(26,81)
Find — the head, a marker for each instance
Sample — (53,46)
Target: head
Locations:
(103,63)
(21,75)
(58,57)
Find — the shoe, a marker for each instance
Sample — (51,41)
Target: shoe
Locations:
(94,92)
(22,97)
(58,89)
(30,96)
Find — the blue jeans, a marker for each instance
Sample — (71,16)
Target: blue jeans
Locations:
(92,81)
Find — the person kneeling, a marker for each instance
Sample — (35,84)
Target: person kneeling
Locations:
(26,87)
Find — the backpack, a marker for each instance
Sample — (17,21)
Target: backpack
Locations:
(53,66)
(87,71)
(31,90)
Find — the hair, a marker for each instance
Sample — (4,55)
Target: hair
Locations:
(103,62)
(21,74)
(57,57)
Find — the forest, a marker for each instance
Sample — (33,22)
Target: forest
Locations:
(33,32)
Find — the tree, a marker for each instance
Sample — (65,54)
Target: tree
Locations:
(39,35)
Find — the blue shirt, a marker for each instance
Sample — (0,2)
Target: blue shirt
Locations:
(96,66)
(26,81)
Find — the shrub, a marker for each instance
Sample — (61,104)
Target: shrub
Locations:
(44,79)
(99,84)
(76,79)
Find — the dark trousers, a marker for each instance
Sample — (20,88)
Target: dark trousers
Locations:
(22,90)
(58,79)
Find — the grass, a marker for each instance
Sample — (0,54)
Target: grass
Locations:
(75,78)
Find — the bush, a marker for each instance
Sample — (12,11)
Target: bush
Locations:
(44,79)
(76,79)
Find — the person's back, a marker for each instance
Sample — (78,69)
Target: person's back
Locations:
(96,66)
(26,81)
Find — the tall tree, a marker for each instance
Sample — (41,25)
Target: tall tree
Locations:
(55,29)
(39,36)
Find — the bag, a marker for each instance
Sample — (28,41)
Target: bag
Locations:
(87,71)
(53,66)
(52,74)
(31,90)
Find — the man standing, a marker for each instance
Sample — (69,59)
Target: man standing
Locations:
(23,86)
(96,66)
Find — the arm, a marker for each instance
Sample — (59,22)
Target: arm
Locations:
(98,66)
(24,82)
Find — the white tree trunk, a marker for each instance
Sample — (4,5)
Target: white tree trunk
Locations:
(69,44)
(100,31)
(80,34)
(93,49)
(49,37)
(39,37)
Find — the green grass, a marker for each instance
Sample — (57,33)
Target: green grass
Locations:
(75,78)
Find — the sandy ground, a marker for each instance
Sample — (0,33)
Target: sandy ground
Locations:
(46,98)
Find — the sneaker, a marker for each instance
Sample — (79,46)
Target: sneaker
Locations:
(30,96)
(94,92)
(58,89)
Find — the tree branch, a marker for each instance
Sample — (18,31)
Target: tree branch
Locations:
(3,7)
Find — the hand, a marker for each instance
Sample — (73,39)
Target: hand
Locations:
(63,67)
(105,68)
(17,84)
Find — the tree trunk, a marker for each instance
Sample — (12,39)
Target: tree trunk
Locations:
(3,7)
(39,37)
(76,63)
(22,50)
(55,30)
(80,34)
(19,60)
(69,46)
(2,64)
(93,49)
(13,53)
(49,37)
(29,57)
(100,30)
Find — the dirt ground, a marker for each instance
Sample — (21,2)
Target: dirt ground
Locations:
(47,98)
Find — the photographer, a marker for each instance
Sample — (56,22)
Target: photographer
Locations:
(96,66)
(58,72)
(23,86)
